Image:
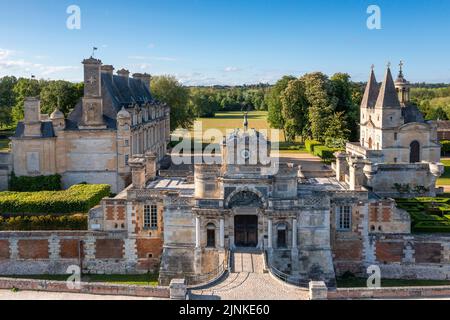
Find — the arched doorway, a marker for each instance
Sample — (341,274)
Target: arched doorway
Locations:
(370,143)
(414,152)
(246,206)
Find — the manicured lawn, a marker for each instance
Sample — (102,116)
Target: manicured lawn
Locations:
(130,279)
(445,178)
(362,282)
(224,121)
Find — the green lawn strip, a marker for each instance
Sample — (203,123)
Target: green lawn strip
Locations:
(362,282)
(128,279)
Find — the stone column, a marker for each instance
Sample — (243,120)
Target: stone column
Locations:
(269,233)
(294,234)
(197,232)
(222,233)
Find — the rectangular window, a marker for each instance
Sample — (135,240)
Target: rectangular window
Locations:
(126,159)
(344,217)
(150,216)
(395,135)
(126,143)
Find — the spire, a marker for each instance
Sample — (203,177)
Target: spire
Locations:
(371,93)
(387,98)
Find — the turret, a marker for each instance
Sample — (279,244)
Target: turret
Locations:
(402,86)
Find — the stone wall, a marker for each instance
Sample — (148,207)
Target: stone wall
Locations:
(52,252)
(399,256)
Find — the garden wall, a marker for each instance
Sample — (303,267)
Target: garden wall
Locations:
(48,252)
(399,256)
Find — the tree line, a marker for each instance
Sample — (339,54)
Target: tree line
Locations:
(433,101)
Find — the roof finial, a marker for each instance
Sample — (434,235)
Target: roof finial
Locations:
(372,67)
(389,64)
(400,73)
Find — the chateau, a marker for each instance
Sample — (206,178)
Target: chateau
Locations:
(116,118)
(192,223)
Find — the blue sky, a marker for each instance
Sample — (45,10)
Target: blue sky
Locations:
(226,41)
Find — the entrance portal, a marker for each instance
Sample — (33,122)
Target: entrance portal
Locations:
(246,230)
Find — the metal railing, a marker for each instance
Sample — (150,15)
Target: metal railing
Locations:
(280,274)
(200,280)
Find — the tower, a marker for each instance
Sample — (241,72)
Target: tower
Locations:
(402,86)
(92,100)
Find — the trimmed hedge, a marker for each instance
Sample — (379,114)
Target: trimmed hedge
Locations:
(324,152)
(28,223)
(32,184)
(78,198)
(310,145)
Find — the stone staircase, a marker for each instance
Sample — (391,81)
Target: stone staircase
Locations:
(249,261)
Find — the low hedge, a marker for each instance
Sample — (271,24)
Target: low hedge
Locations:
(78,198)
(310,145)
(324,152)
(32,184)
(29,223)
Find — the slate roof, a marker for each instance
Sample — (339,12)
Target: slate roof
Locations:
(116,92)
(387,98)
(371,93)
(411,113)
(46,130)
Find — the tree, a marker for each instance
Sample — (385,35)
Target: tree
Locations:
(273,102)
(7,100)
(167,89)
(59,94)
(337,133)
(294,110)
(24,88)
(437,114)
(203,104)
(322,103)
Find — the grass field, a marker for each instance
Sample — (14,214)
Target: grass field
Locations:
(130,279)
(224,121)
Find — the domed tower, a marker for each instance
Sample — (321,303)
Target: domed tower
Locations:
(124,144)
(402,86)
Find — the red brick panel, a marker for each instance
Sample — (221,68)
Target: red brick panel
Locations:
(69,248)
(389,251)
(4,249)
(386,214)
(109,213)
(109,249)
(33,249)
(373,214)
(146,246)
(348,250)
(120,212)
(427,252)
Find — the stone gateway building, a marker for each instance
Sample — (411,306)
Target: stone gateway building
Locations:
(194,224)
(116,118)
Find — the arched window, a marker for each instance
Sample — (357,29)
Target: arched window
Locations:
(414,152)
(211,235)
(281,235)
(370,143)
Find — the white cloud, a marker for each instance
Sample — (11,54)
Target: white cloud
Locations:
(152,58)
(232,69)
(10,63)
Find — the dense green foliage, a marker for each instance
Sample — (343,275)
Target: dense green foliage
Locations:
(433,102)
(31,184)
(427,214)
(316,107)
(28,223)
(310,144)
(76,199)
(316,148)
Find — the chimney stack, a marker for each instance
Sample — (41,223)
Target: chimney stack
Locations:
(144,77)
(108,69)
(32,119)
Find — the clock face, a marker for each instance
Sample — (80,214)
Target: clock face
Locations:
(245,154)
